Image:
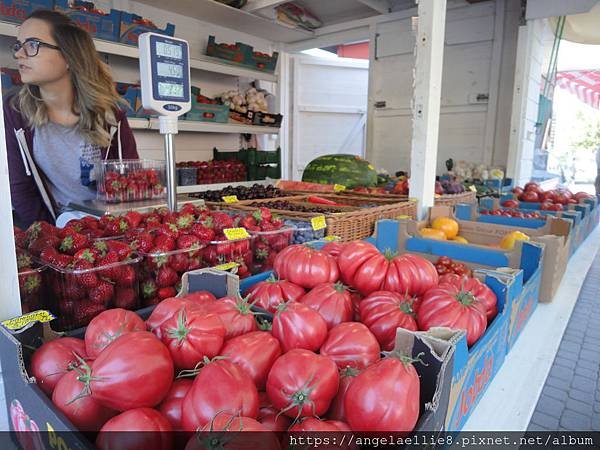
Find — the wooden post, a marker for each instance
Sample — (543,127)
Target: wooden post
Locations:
(10,302)
(431,23)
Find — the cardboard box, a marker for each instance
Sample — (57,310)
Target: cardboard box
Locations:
(17,10)
(131,26)
(557,235)
(101,26)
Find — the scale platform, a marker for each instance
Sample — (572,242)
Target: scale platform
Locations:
(100,208)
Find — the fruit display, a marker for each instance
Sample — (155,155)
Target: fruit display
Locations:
(131,180)
(508,242)
(303,231)
(552,200)
(346,170)
(270,236)
(511,213)
(209,172)
(284,205)
(442,229)
(253,192)
(107,226)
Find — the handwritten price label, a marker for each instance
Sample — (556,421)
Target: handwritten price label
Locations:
(230,199)
(37,316)
(339,187)
(227,266)
(318,223)
(235,234)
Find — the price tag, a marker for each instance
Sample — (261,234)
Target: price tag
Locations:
(234,234)
(37,316)
(339,187)
(403,216)
(331,238)
(413,199)
(473,188)
(318,223)
(370,166)
(227,266)
(230,199)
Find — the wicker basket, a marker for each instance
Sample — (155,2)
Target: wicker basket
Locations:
(455,199)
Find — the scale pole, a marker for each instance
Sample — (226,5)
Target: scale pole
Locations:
(171,173)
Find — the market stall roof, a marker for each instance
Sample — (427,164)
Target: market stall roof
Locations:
(585,84)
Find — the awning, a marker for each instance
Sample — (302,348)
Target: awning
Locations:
(585,84)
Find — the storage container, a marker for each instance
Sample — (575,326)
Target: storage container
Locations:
(131,180)
(31,288)
(17,10)
(100,25)
(187,176)
(132,25)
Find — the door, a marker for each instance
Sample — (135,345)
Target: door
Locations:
(329,109)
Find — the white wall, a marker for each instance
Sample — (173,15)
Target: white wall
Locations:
(189,146)
(477,44)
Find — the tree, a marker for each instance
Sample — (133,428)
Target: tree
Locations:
(589,136)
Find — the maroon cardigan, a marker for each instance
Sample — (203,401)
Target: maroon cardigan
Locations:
(27,202)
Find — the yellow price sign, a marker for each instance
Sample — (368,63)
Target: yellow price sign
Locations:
(35,316)
(331,238)
(339,187)
(318,223)
(473,188)
(370,166)
(230,199)
(404,216)
(235,234)
(227,266)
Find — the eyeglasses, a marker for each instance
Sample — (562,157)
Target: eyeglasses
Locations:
(31,47)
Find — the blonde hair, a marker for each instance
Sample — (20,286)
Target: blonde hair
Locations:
(96,99)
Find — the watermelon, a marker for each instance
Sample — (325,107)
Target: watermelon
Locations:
(347,170)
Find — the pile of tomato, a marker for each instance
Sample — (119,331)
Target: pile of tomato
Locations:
(552,200)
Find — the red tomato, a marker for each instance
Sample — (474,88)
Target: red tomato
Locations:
(302,383)
(333,248)
(562,198)
(273,421)
(108,326)
(518,191)
(385,397)
(479,290)
(532,186)
(548,196)
(271,293)
(312,424)
(165,310)
(192,336)
(119,377)
(305,266)
(220,387)
(582,196)
(332,301)
(336,410)
(52,360)
(83,411)
(383,312)
(444,261)
(363,267)
(351,344)
(298,326)
(157,431)
(236,315)
(529,196)
(510,204)
(449,306)
(254,353)
(171,405)
(201,298)
(356,299)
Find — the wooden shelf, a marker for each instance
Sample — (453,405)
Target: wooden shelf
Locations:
(204,63)
(203,127)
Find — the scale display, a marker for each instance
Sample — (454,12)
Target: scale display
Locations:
(165,74)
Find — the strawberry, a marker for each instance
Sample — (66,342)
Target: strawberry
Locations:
(153,221)
(190,241)
(23,259)
(179,262)
(210,255)
(104,221)
(221,221)
(103,293)
(109,259)
(38,229)
(203,231)
(265,214)
(189,209)
(126,276)
(21,238)
(169,229)
(166,292)
(277,223)
(242,271)
(30,283)
(86,254)
(101,247)
(122,249)
(194,263)
(86,278)
(158,257)
(168,243)
(67,307)
(184,221)
(143,243)
(134,218)
(166,277)
(125,298)
(149,288)
(74,292)
(75,225)
(86,311)
(117,227)
(49,255)
(249,222)
(73,242)
(261,251)
(36,246)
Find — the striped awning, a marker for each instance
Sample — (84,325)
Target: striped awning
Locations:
(585,84)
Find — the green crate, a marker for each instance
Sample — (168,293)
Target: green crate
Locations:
(250,157)
(260,172)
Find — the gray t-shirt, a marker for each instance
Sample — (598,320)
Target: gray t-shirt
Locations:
(67,160)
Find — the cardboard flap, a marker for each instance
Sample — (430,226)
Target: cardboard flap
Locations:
(209,280)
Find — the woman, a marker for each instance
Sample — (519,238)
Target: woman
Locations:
(63,120)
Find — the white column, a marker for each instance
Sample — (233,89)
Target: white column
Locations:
(426,101)
(10,303)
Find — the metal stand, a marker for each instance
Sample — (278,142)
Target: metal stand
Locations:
(168,127)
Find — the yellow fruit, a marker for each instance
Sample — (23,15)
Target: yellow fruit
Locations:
(430,233)
(460,239)
(448,226)
(508,242)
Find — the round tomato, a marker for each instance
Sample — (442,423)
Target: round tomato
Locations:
(53,359)
(510,204)
(332,301)
(384,397)
(432,233)
(165,310)
(273,421)
(305,266)
(336,410)
(108,326)
(518,190)
(236,315)
(446,225)
(351,344)
(582,196)
(220,387)
(298,326)
(363,267)
(119,377)
(449,306)
(152,431)
(201,298)
(271,293)
(302,383)
(192,336)
(383,312)
(479,290)
(333,248)
(529,196)
(171,405)
(532,186)
(254,353)
(82,410)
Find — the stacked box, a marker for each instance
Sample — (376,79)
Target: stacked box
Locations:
(242,54)
(17,10)
(99,25)
(259,164)
(131,26)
